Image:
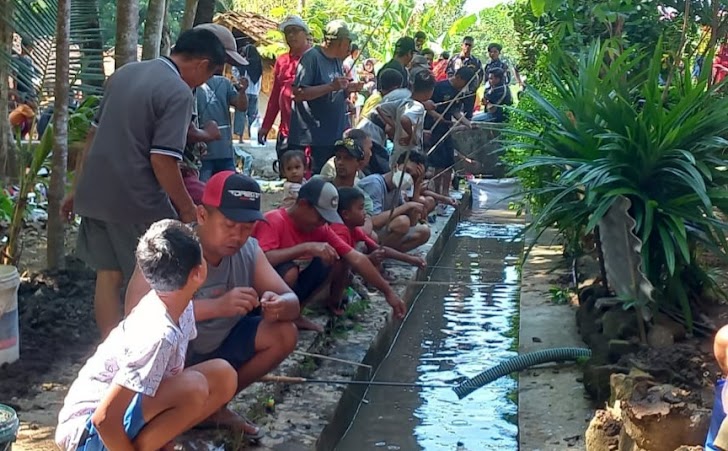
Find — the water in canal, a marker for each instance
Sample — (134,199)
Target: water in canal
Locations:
(455,330)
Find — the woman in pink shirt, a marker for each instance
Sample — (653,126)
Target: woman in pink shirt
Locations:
(296,32)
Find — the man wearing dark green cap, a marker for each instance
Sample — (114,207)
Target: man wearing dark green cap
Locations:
(320,91)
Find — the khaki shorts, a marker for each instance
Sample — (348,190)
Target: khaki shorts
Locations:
(109,246)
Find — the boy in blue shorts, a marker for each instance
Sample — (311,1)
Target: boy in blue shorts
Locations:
(718,433)
(135,393)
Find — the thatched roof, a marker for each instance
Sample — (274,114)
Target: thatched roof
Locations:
(246,24)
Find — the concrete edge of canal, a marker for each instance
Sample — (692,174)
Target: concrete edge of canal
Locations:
(315,416)
(347,406)
(553,411)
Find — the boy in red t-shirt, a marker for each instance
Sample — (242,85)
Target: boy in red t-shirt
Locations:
(303,232)
(351,210)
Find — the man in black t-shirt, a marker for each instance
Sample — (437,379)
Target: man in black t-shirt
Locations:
(494,51)
(498,95)
(443,156)
(404,51)
(466,59)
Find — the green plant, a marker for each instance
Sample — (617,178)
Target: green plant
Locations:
(33,157)
(611,132)
(36,21)
(354,309)
(559,295)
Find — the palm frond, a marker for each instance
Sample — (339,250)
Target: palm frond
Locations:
(35,20)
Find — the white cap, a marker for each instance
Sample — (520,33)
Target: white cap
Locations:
(293,21)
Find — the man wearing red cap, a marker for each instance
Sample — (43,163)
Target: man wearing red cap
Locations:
(244,311)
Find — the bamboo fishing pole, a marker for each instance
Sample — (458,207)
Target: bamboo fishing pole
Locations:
(453,100)
(303,380)
(459,96)
(444,137)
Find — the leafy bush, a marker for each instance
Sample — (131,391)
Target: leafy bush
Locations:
(611,131)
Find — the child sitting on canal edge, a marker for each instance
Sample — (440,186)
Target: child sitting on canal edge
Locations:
(351,210)
(293,165)
(135,393)
(718,433)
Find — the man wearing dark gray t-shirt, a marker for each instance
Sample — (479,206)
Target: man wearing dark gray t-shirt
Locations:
(128,176)
(319,115)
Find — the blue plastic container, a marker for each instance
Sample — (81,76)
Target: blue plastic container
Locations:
(9,424)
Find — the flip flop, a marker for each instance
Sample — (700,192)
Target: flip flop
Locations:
(215,425)
(339,309)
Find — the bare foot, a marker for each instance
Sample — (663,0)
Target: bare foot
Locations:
(304,323)
(336,309)
(226,418)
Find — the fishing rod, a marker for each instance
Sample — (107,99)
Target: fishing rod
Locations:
(446,102)
(303,380)
(371,34)
(460,95)
(445,136)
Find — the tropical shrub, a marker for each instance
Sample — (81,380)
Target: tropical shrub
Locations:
(610,130)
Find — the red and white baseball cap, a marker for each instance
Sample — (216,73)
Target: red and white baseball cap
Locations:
(236,196)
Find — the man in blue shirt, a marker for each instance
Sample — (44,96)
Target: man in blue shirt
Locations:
(466,59)
(214,99)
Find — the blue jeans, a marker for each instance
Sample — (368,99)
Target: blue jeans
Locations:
(246,157)
(133,424)
(214,165)
(246,117)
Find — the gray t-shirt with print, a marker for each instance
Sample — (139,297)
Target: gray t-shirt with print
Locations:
(321,121)
(382,199)
(213,104)
(238,270)
(146,109)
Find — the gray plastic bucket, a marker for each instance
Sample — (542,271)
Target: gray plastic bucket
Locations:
(8,427)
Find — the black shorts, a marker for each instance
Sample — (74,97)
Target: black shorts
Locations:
(309,280)
(444,155)
(238,347)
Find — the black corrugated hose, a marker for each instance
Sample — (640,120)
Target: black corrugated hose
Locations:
(519,363)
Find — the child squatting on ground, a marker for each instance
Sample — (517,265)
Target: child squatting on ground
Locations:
(351,210)
(293,165)
(718,432)
(135,393)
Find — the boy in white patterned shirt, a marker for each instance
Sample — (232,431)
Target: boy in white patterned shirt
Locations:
(135,393)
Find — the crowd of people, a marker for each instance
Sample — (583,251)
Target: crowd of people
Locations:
(199,293)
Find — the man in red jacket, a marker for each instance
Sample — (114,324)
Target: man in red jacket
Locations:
(297,33)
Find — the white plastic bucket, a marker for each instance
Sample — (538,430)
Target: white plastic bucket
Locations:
(9,330)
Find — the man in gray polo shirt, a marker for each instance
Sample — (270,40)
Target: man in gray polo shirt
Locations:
(129,176)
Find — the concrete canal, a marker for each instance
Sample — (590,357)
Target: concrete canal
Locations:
(463,322)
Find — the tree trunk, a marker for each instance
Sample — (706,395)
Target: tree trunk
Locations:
(8,164)
(153,30)
(205,11)
(56,239)
(166,46)
(127,34)
(188,20)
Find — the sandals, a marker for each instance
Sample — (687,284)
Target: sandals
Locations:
(208,425)
(340,309)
